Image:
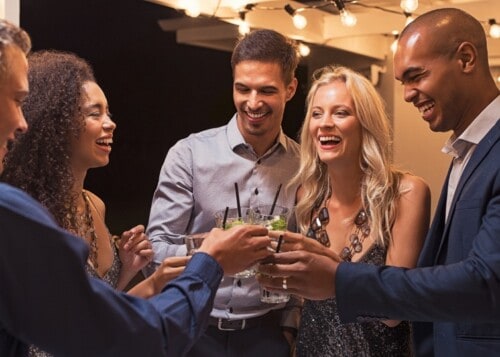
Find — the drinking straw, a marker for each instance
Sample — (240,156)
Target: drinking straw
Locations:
(225,218)
(237,199)
(275,200)
(278,246)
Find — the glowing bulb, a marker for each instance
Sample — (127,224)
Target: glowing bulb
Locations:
(191,8)
(299,21)
(495,30)
(238,4)
(347,18)
(409,19)
(409,5)
(394,45)
(243,28)
(304,50)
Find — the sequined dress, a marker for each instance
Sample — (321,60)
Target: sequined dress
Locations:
(321,333)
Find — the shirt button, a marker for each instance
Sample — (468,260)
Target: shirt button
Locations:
(256,191)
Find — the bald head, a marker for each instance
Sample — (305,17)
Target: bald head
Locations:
(443,30)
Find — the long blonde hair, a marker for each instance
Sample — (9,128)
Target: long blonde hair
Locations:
(380,181)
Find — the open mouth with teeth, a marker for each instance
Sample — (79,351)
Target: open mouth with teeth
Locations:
(425,109)
(104,142)
(329,140)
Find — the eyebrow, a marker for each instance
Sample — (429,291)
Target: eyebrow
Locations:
(408,72)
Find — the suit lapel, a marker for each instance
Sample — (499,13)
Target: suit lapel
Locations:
(477,157)
(435,234)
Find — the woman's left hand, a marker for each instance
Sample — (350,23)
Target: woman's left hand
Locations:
(135,249)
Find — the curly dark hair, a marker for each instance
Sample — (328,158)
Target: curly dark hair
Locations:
(39,161)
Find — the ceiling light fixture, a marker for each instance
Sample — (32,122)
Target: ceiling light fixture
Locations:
(299,21)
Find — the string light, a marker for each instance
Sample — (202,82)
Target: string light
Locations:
(304,50)
(243,27)
(346,17)
(191,8)
(299,21)
(494,28)
(409,18)
(409,6)
(394,44)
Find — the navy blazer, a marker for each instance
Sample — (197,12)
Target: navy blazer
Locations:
(47,299)
(457,284)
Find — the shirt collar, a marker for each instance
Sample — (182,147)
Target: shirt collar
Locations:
(475,132)
(236,139)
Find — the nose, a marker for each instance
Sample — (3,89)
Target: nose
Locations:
(22,125)
(253,100)
(409,93)
(327,121)
(108,124)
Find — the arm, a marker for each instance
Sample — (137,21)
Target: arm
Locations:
(172,203)
(46,294)
(410,226)
(464,291)
(168,270)
(134,248)
(135,252)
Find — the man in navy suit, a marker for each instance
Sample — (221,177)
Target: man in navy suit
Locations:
(442,63)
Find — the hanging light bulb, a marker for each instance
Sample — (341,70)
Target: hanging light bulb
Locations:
(394,44)
(494,28)
(304,50)
(299,21)
(409,5)
(191,8)
(243,27)
(346,17)
(409,18)
(238,4)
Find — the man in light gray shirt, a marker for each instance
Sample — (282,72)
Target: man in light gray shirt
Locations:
(198,178)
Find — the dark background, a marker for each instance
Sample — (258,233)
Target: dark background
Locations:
(158,91)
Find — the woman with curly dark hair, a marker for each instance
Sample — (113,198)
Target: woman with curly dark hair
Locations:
(71,131)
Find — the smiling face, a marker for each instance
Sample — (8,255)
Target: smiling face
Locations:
(91,149)
(334,128)
(13,90)
(260,95)
(432,82)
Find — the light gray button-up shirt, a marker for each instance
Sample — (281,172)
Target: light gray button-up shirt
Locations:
(197,179)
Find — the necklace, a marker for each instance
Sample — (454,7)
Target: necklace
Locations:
(356,239)
(85,229)
(361,230)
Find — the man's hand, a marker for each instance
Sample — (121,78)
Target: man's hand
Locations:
(237,248)
(305,268)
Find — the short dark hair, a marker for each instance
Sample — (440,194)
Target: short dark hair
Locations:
(268,46)
(12,35)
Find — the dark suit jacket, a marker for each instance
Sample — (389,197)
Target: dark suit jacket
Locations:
(457,284)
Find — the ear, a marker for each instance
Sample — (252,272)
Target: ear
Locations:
(291,89)
(467,56)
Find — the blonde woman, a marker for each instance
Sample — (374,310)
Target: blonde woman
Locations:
(359,207)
